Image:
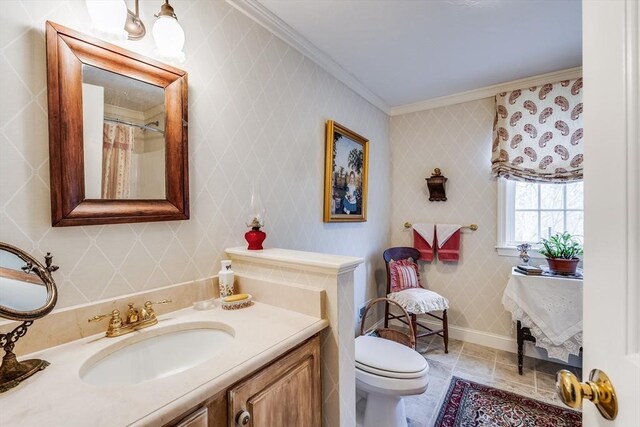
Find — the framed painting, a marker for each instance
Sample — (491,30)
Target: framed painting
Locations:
(345,176)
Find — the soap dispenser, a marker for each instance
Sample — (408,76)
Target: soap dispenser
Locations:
(225,278)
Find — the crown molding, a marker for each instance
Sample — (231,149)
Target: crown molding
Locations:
(263,16)
(488,91)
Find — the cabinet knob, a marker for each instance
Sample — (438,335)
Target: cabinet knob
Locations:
(243,418)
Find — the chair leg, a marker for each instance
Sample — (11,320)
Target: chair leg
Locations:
(414,325)
(386,314)
(445,333)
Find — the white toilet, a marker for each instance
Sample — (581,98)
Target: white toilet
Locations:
(387,371)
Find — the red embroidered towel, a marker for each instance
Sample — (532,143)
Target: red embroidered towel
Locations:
(450,250)
(425,249)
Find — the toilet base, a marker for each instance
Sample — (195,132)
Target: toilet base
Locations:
(384,410)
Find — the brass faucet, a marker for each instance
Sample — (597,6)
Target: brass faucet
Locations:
(134,320)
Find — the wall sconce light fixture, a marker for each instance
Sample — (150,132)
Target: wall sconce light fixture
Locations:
(168,34)
(108,18)
(111,19)
(134,25)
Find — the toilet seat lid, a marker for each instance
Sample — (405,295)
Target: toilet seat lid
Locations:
(388,358)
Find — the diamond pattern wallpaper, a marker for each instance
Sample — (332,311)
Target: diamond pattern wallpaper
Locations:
(257,110)
(456,139)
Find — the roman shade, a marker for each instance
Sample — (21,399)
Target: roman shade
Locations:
(538,133)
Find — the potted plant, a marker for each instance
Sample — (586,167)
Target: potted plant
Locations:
(561,250)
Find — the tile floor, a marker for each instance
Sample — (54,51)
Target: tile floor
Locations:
(483,365)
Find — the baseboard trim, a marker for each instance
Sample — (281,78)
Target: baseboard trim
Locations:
(487,339)
(498,342)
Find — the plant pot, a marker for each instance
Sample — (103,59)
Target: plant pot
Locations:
(563,266)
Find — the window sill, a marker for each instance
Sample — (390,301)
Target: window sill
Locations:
(511,251)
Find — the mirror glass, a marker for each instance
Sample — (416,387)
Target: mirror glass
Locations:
(20,288)
(124,142)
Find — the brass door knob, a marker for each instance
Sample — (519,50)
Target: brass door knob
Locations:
(598,389)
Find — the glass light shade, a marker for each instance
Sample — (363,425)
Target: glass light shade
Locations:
(256,210)
(169,38)
(108,18)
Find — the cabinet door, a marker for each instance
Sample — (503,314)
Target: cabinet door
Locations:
(211,413)
(286,393)
(197,419)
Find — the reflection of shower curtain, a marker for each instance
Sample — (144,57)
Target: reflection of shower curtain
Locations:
(117,146)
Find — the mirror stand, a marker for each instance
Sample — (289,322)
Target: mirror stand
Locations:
(27,292)
(13,372)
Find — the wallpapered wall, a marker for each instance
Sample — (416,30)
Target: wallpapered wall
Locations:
(456,139)
(257,109)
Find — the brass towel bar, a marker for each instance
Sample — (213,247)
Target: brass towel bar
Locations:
(472,227)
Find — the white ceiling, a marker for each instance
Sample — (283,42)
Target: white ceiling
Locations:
(407,51)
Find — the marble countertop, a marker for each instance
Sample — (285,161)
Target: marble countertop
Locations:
(57,396)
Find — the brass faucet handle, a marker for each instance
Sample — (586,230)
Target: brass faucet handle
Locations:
(97,318)
(148,308)
(132,314)
(115,314)
(115,322)
(164,301)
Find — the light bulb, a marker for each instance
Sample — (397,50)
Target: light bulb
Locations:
(169,38)
(108,18)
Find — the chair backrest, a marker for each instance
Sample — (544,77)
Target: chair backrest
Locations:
(396,254)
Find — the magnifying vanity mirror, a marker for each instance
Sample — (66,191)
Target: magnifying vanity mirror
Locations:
(27,292)
(117,133)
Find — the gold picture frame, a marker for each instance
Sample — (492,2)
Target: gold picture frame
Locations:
(345,176)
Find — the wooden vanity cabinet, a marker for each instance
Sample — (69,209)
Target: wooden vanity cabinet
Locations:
(199,418)
(287,392)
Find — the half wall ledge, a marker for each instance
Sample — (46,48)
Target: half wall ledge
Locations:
(314,261)
(334,275)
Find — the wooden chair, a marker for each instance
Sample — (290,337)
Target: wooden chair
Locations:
(399,253)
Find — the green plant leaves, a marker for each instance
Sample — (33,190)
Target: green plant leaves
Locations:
(561,245)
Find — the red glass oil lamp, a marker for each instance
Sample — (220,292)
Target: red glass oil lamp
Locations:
(255,236)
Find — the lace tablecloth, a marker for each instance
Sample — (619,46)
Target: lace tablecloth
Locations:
(551,307)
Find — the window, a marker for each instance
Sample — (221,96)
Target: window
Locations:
(530,211)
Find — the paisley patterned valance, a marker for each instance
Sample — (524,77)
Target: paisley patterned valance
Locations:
(537,133)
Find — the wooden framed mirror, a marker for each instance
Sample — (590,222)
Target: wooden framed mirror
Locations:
(118,133)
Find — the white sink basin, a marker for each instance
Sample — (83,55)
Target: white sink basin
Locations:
(156,353)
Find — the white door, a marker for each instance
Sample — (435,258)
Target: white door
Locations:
(612,204)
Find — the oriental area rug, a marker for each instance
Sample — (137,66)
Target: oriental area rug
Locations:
(470,404)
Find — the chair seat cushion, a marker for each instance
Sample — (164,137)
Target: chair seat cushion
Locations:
(419,300)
